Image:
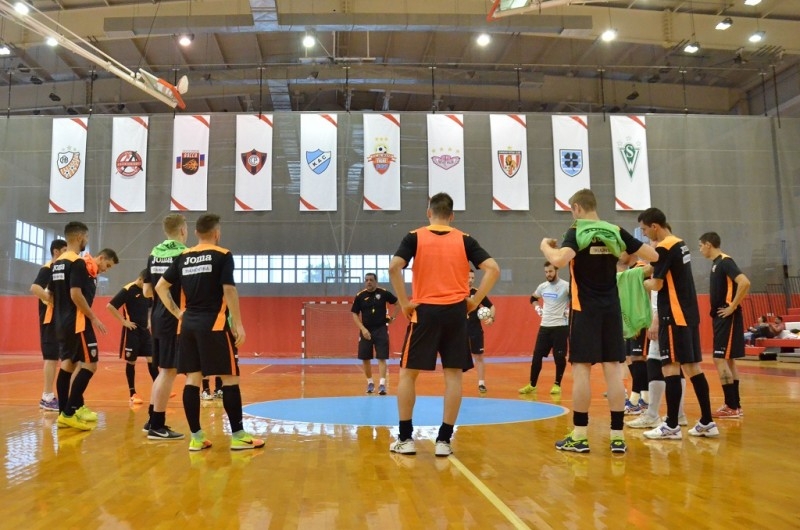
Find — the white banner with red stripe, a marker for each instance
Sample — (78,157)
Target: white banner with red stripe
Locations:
(446,157)
(190,167)
(68,165)
(631,173)
(570,158)
(129,164)
(510,161)
(253,190)
(381,161)
(318,162)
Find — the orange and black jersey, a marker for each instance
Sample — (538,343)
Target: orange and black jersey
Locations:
(723,287)
(201,271)
(593,271)
(473,322)
(69,271)
(677,298)
(441,263)
(42,280)
(162,322)
(133,303)
(372,306)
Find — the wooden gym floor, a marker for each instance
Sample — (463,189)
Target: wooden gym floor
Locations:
(335,476)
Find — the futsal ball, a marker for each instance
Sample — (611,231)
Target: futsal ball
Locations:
(484,313)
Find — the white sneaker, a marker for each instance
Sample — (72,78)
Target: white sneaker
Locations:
(663,432)
(443,448)
(403,447)
(709,430)
(644,422)
(206,396)
(683,421)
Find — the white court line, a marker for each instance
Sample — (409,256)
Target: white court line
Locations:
(509,514)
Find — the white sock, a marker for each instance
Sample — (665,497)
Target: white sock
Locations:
(646,396)
(48,397)
(657,389)
(369,380)
(681,412)
(481,382)
(616,434)
(383,381)
(579,433)
(634,399)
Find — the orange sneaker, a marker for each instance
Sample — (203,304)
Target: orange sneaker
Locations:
(136,399)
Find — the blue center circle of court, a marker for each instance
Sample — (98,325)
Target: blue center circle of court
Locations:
(382,411)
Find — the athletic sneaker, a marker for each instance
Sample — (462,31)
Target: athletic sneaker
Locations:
(664,432)
(644,421)
(741,412)
(206,395)
(163,434)
(146,426)
(527,389)
(631,409)
(242,441)
(218,394)
(683,421)
(618,445)
(443,448)
(571,444)
(556,389)
(403,447)
(709,430)
(382,390)
(85,414)
(726,412)
(643,405)
(370,388)
(136,399)
(482,389)
(73,421)
(198,442)
(49,405)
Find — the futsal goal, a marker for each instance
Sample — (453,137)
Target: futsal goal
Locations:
(328,330)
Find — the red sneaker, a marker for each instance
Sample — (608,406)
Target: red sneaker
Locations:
(726,412)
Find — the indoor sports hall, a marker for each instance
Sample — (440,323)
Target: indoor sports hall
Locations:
(320,158)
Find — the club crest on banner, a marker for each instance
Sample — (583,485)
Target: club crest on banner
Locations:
(253,161)
(128,164)
(509,162)
(318,160)
(571,161)
(68,163)
(381,159)
(190,162)
(445,161)
(630,155)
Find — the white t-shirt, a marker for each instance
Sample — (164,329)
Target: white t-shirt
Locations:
(555,296)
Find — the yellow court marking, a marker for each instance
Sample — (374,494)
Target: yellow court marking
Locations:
(494,499)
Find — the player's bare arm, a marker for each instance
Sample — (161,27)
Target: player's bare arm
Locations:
(80,302)
(122,320)
(162,289)
(491,273)
(398,284)
(559,257)
(742,288)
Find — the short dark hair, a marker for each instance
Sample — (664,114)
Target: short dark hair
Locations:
(207,223)
(548,264)
(75,228)
(57,244)
(109,254)
(441,205)
(143,274)
(585,199)
(371,274)
(712,238)
(653,216)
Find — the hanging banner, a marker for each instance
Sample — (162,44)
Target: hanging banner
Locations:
(446,157)
(128,167)
(190,171)
(570,158)
(253,190)
(509,162)
(381,161)
(631,173)
(68,165)
(318,162)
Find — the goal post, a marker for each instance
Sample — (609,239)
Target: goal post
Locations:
(328,330)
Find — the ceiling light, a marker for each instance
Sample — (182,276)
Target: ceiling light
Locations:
(72,112)
(309,41)
(758,36)
(483,39)
(185,39)
(609,35)
(36,80)
(22,8)
(54,97)
(5,50)
(724,24)
(633,95)
(51,41)
(692,47)
(752,2)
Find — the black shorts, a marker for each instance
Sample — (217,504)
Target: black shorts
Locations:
(437,328)
(80,347)
(679,344)
(209,352)
(135,343)
(729,337)
(637,346)
(49,342)
(379,342)
(475,342)
(595,336)
(165,351)
(551,338)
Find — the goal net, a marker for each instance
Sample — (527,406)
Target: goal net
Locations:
(328,330)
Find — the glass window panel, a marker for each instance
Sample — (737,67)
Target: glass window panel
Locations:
(262,262)
(248,276)
(369,263)
(288,276)
(262,276)
(18,249)
(302,262)
(40,237)
(383,262)
(315,276)
(302,276)
(356,261)
(407,275)
(19,229)
(275,276)
(24,253)
(288,263)
(329,261)
(26,232)
(237,275)
(315,261)
(383,276)
(237,261)
(39,255)
(248,262)
(275,262)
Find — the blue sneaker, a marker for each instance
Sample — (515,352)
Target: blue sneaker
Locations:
(51,405)
(573,445)
(382,390)
(631,409)
(643,405)
(370,388)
